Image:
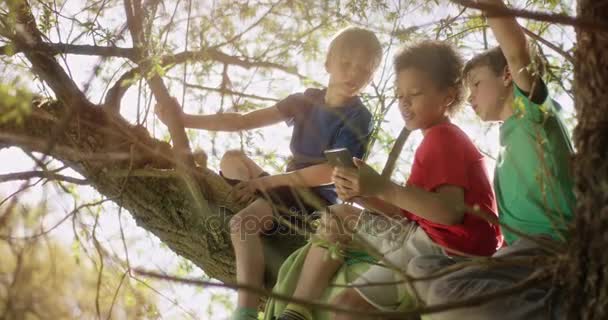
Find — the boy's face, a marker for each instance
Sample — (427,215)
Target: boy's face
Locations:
(488,92)
(350,71)
(421,103)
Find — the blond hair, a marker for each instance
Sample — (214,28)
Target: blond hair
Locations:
(354,38)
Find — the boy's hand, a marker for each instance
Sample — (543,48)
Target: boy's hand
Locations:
(245,190)
(162,111)
(362,181)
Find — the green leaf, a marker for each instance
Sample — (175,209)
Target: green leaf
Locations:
(16,103)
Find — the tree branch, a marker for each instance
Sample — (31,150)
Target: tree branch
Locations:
(40,174)
(181,145)
(230,92)
(77,49)
(120,87)
(544,41)
(534,279)
(39,145)
(393,156)
(57,224)
(216,55)
(558,18)
(27,38)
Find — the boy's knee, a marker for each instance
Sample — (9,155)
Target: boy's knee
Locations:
(231,159)
(351,299)
(346,297)
(233,154)
(232,165)
(335,228)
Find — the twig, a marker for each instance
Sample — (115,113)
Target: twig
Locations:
(41,174)
(544,41)
(495,10)
(536,278)
(231,92)
(47,231)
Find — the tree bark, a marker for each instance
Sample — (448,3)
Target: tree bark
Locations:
(144,182)
(587,281)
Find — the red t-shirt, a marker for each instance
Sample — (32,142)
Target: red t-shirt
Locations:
(447,156)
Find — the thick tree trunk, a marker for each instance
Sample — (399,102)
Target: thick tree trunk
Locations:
(157,199)
(587,281)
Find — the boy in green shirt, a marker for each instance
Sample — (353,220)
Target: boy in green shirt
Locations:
(532,181)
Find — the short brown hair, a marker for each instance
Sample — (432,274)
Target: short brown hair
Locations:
(497,62)
(492,58)
(440,61)
(351,38)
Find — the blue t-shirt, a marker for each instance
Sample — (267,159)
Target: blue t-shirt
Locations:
(317,127)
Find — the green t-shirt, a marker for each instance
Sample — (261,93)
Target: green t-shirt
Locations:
(533,180)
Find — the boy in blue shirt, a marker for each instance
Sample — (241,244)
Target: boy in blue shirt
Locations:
(321,119)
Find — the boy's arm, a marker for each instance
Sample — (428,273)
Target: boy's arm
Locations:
(232,121)
(446,205)
(379,206)
(312,176)
(512,41)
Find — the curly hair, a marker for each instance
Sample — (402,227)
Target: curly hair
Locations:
(440,61)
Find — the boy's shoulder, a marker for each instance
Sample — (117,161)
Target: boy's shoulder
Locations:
(449,136)
(446,132)
(355,106)
(536,105)
(314,93)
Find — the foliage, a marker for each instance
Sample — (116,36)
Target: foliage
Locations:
(41,278)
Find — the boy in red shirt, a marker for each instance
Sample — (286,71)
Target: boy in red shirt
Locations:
(426,216)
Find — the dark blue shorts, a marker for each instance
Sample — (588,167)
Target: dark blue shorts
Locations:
(290,204)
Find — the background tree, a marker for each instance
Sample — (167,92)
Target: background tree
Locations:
(42,279)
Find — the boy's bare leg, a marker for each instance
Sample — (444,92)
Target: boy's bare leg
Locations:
(245,229)
(235,164)
(319,268)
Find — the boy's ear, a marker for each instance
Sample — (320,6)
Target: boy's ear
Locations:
(507,77)
(328,58)
(450,98)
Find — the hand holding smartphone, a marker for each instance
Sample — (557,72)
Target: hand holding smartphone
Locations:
(339,158)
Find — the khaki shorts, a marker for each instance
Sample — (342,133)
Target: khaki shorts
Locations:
(397,242)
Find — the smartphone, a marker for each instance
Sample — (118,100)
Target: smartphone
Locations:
(339,157)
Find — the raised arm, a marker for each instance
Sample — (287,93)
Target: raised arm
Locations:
(512,41)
